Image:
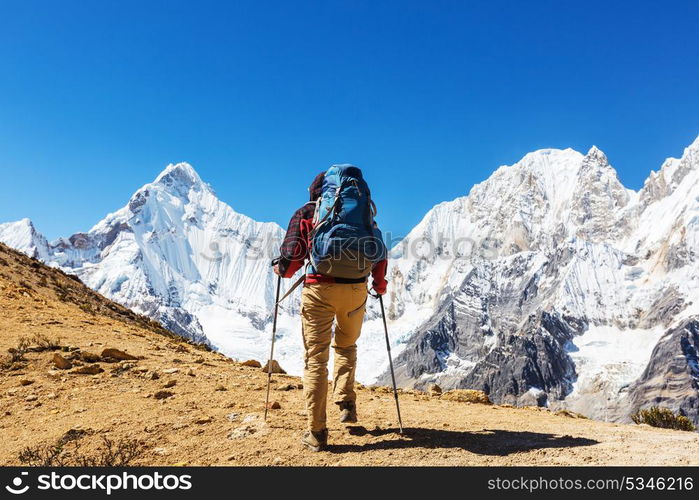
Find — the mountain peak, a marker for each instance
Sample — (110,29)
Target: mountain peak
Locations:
(178,173)
(179,179)
(598,155)
(23,236)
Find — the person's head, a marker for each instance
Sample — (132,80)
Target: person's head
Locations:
(316,187)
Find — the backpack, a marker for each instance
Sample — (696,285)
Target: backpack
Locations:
(345,240)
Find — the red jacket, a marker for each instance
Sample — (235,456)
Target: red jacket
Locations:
(294,249)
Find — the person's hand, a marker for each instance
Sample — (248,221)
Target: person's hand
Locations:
(276,270)
(379,287)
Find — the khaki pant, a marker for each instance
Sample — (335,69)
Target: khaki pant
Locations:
(321,304)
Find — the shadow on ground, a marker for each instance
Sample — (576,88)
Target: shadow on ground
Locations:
(486,442)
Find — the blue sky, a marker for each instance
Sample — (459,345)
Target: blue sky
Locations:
(427,97)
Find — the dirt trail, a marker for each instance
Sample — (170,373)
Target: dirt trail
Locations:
(213,412)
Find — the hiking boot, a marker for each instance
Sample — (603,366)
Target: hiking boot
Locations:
(348,412)
(315,441)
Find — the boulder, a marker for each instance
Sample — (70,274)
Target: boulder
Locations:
(253,363)
(273,367)
(435,390)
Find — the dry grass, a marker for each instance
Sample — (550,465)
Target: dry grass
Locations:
(664,419)
(71,450)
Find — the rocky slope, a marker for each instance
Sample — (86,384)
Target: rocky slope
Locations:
(175,403)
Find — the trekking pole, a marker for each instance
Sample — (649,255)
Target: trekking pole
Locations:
(274,335)
(390,364)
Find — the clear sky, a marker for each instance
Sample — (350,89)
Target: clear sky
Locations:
(428,97)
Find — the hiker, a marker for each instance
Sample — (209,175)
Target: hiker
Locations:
(335,235)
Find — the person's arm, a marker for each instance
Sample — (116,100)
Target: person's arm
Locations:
(378,277)
(294,249)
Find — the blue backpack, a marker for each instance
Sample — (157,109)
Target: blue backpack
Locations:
(345,240)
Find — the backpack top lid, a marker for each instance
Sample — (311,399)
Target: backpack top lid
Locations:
(341,171)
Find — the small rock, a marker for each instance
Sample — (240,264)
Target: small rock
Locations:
(191,373)
(61,363)
(242,432)
(89,357)
(221,388)
(31,397)
(163,394)
(154,375)
(26,381)
(160,451)
(251,424)
(52,395)
(117,354)
(203,420)
(273,367)
(274,405)
(285,387)
(170,383)
(88,370)
(123,366)
(252,363)
(233,416)
(170,371)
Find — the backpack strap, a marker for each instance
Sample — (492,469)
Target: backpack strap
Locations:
(330,211)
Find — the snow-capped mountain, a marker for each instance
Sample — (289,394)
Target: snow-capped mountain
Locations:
(551,283)
(177,253)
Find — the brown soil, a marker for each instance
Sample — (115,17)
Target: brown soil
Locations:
(205,409)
